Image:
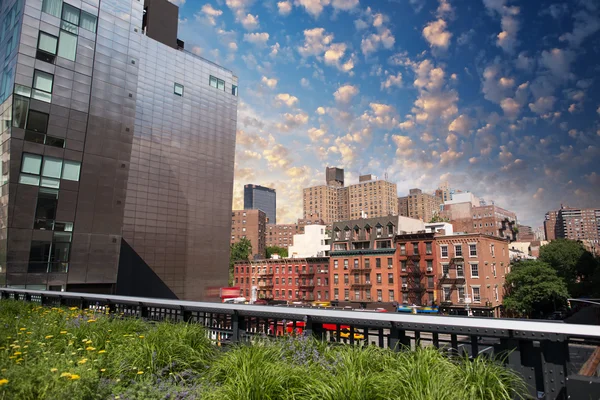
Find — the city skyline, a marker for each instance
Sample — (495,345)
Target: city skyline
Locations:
(495,97)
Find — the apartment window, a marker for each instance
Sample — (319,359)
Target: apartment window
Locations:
(42,86)
(403,265)
(50,256)
(391,295)
(473,250)
(446,294)
(378,277)
(444,251)
(428,248)
(474,270)
(496,292)
(52,7)
(430,282)
(178,89)
(335,279)
(45,212)
(458,250)
(327,295)
(47,171)
(47,47)
(476,294)
(379,295)
(445,269)
(461,294)
(403,249)
(234,90)
(405,297)
(378,263)
(356,263)
(429,265)
(415,248)
(460,271)
(346,281)
(216,83)
(492,250)
(390,263)
(346,294)
(67,42)
(335,264)
(390,278)
(367,263)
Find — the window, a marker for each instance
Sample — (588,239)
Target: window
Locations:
(461,294)
(445,269)
(367,263)
(378,276)
(430,282)
(473,250)
(178,90)
(216,82)
(496,292)
(45,212)
(51,170)
(335,279)
(88,21)
(346,264)
(476,294)
(70,14)
(346,281)
(234,91)
(403,265)
(52,7)
(460,271)
(379,295)
(446,295)
(390,263)
(474,271)
(429,265)
(356,263)
(47,47)
(390,278)
(405,297)
(403,249)
(42,86)
(492,250)
(391,295)
(444,249)
(378,263)
(415,248)
(458,250)
(45,256)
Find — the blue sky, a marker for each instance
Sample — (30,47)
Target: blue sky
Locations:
(497,97)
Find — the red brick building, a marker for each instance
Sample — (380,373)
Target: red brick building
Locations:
(287,279)
(418,257)
(250,224)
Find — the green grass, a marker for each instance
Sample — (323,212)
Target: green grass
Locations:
(64,353)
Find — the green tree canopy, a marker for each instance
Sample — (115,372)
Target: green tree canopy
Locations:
(239,251)
(573,263)
(282,251)
(534,289)
(436,218)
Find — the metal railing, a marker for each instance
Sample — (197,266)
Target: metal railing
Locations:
(548,355)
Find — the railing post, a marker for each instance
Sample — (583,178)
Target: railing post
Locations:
(238,325)
(143,311)
(555,356)
(186,315)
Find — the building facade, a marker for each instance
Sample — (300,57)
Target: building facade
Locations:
(261,198)
(111,177)
(419,205)
(574,223)
(525,233)
(314,242)
(283,279)
(251,225)
(282,235)
(471,217)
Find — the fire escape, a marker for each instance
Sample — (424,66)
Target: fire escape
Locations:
(507,230)
(265,282)
(307,283)
(458,280)
(415,274)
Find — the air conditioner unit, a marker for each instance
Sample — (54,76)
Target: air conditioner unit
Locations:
(405,285)
(429,269)
(347,298)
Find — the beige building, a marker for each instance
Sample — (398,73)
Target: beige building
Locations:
(250,224)
(419,205)
(332,202)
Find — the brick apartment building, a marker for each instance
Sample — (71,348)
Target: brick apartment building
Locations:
(284,279)
(574,223)
(419,205)
(526,233)
(418,257)
(250,224)
(281,235)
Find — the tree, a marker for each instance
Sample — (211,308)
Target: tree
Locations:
(533,289)
(437,218)
(573,263)
(240,251)
(282,251)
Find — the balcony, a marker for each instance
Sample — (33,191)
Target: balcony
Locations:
(366,269)
(306,274)
(265,284)
(307,285)
(265,273)
(358,285)
(415,256)
(445,279)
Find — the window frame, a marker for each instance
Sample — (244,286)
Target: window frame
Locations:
(175,87)
(442,248)
(476,265)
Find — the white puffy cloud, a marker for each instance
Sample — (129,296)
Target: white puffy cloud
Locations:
(404,145)
(250,22)
(232,46)
(313,7)
(278,156)
(320,110)
(558,62)
(510,107)
(284,7)
(209,14)
(391,81)
(507,38)
(304,82)
(436,34)
(269,82)
(316,134)
(345,93)
(316,42)
(524,62)
(381,115)
(258,39)
(461,125)
(586,22)
(287,99)
(374,41)
(542,105)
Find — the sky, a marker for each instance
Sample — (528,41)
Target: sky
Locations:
(497,97)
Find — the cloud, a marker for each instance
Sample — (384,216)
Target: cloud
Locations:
(287,99)
(542,105)
(284,7)
(316,42)
(334,55)
(232,46)
(523,62)
(391,81)
(585,24)
(292,121)
(461,125)
(315,134)
(558,62)
(278,156)
(345,5)
(209,14)
(403,144)
(345,93)
(510,107)
(436,34)
(320,110)
(507,39)
(250,23)
(257,39)
(304,82)
(197,50)
(269,82)
(374,41)
(313,7)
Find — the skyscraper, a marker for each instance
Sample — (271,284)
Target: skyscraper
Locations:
(118,152)
(261,198)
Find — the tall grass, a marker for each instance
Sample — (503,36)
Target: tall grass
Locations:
(59,353)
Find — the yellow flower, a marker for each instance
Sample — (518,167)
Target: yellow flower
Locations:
(17,353)
(53,369)
(3,381)
(74,377)
(141,336)
(74,308)
(48,337)
(110,330)
(103,370)
(140,372)
(29,333)
(11,357)
(23,329)
(102,351)
(82,361)
(88,342)
(63,332)
(65,375)
(90,348)
(91,320)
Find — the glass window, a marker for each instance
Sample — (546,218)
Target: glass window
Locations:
(29,180)
(69,27)
(212,81)
(32,163)
(47,43)
(178,89)
(458,250)
(88,21)
(234,91)
(473,250)
(46,207)
(476,295)
(70,14)
(220,84)
(52,7)
(474,271)
(52,167)
(444,251)
(71,170)
(39,254)
(42,86)
(67,45)
(20,108)
(37,122)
